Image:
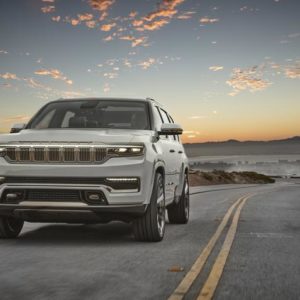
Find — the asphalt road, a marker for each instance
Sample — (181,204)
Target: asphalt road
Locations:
(104,262)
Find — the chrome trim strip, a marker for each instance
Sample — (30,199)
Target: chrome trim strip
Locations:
(52,203)
(67,153)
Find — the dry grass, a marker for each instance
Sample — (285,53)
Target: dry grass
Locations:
(197,178)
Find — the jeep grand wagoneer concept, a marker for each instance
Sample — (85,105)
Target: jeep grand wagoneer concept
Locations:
(94,161)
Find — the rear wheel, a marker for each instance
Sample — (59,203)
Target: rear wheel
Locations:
(151,226)
(10,227)
(178,213)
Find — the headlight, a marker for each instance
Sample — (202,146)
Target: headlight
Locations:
(2,152)
(126,151)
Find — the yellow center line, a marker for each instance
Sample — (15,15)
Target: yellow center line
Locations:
(195,270)
(213,279)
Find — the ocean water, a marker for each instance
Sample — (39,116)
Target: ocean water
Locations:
(280,165)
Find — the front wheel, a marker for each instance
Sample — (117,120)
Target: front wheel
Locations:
(151,226)
(178,213)
(10,227)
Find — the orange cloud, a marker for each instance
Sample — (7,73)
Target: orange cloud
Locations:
(85,17)
(74,22)
(155,25)
(207,20)
(55,74)
(91,24)
(101,5)
(158,18)
(19,118)
(48,9)
(247,79)
(293,72)
(9,76)
(107,27)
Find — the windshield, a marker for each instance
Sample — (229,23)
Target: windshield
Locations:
(119,114)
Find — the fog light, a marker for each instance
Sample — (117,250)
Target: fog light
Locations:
(13,196)
(95,197)
(2,152)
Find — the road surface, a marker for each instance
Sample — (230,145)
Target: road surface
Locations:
(257,259)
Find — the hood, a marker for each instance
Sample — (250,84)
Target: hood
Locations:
(105,136)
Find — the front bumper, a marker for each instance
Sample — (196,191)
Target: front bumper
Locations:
(138,167)
(72,213)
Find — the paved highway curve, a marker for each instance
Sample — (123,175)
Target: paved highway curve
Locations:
(242,242)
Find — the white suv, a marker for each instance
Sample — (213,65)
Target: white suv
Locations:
(94,161)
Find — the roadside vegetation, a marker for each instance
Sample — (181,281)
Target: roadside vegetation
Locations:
(197,178)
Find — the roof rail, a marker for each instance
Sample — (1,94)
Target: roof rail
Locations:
(151,99)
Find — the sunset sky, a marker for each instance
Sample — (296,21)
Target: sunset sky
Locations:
(224,69)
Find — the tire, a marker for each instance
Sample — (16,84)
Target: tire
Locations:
(178,213)
(10,227)
(151,226)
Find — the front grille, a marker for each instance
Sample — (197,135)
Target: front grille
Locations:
(15,196)
(54,154)
(130,185)
(53,195)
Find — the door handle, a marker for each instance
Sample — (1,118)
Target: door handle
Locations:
(180,152)
(172,150)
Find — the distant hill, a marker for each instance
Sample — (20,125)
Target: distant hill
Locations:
(234,147)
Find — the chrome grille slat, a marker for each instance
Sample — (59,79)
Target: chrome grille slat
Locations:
(53,154)
(56,154)
(25,154)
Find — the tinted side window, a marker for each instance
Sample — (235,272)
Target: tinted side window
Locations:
(164,116)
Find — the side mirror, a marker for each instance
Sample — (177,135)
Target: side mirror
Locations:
(17,127)
(170,129)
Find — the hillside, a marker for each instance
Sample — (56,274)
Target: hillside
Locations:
(234,147)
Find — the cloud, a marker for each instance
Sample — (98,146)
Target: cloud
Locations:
(3,52)
(108,38)
(106,88)
(111,75)
(54,73)
(36,85)
(158,18)
(48,1)
(186,15)
(216,68)
(293,72)
(102,6)
(147,63)
(85,17)
(191,133)
(9,76)
(139,41)
(107,27)
(19,118)
(74,22)
(48,9)
(294,35)
(207,20)
(91,24)
(197,117)
(154,25)
(247,79)
(6,85)
(56,19)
